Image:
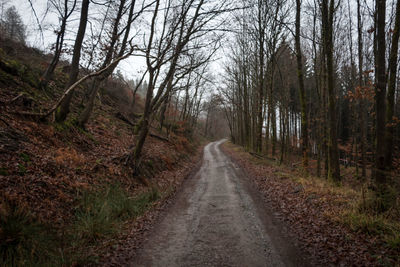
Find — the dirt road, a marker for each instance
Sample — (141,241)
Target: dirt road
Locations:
(218,219)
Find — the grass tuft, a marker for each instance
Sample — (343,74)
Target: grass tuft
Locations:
(100,213)
(23,240)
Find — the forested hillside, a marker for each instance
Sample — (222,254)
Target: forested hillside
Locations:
(85,151)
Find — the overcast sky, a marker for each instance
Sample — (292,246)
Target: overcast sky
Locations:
(131,67)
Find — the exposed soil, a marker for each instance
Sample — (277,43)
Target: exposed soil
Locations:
(218,219)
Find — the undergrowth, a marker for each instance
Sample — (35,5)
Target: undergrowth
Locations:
(384,226)
(356,208)
(23,240)
(99,215)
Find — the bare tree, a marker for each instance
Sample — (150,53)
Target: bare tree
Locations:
(182,24)
(328,12)
(393,61)
(380,96)
(114,35)
(64,12)
(114,47)
(304,119)
(62,112)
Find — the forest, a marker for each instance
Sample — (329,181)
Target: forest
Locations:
(322,82)
(110,110)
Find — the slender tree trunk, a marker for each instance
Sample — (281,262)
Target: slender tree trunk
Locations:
(303,105)
(63,110)
(48,74)
(282,128)
(207,120)
(273,124)
(360,84)
(393,60)
(144,124)
(327,24)
(165,105)
(260,82)
(84,116)
(380,95)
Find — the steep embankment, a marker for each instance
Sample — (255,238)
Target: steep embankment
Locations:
(66,191)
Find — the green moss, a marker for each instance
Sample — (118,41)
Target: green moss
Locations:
(64,126)
(21,169)
(150,164)
(15,66)
(31,78)
(6,78)
(394,241)
(25,157)
(26,73)
(3,171)
(88,135)
(138,126)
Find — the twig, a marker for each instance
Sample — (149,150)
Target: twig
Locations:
(5,122)
(15,98)
(159,137)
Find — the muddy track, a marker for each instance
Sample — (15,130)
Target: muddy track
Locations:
(218,219)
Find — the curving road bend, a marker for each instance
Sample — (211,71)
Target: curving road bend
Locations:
(218,219)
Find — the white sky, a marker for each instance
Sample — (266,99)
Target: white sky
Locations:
(132,67)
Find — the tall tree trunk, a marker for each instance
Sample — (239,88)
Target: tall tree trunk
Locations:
(282,127)
(260,78)
(303,105)
(63,110)
(360,84)
(327,25)
(273,126)
(390,123)
(352,106)
(380,95)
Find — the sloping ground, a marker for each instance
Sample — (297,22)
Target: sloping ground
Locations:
(316,214)
(51,174)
